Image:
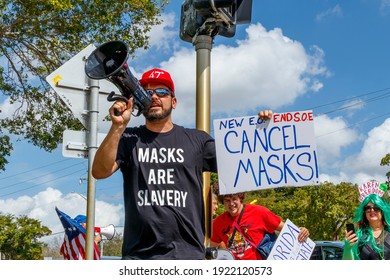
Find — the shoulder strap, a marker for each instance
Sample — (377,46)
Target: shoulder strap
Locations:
(243,234)
(235,228)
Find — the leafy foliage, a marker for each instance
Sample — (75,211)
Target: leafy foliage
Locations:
(323,209)
(33,46)
(53,248)
(113,247)
(385,160)
(19,237)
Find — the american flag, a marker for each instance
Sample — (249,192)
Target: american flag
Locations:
(74,239)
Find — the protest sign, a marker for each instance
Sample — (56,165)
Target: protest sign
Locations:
(253,154)
(287,247)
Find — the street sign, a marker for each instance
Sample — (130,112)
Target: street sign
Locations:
(85,98)
(71,84)
(74,144)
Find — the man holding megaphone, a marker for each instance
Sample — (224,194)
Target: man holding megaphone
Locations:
(82,220)
(108,231)
(162,163)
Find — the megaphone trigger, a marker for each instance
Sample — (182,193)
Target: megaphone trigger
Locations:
(114,97)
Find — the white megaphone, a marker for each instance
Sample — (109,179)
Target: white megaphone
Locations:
(108,231)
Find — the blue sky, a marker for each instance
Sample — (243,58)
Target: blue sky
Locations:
(331,57)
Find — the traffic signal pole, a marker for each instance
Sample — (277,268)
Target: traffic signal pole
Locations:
(92,135)
(203,44)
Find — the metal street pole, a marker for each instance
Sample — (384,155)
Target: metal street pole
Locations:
(200,22)
(92,136)
(203,45)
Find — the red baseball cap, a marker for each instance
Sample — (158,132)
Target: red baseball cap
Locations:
(157,75)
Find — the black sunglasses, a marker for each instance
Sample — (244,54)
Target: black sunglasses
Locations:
(161,92)
(370,207)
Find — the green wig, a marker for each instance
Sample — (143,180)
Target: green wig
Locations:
(364,233)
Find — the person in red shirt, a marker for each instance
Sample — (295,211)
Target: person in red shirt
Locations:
(254,222)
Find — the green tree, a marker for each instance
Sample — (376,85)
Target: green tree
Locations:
(53,248)
(323,209)
(329,208)
(113,247)
(19,237)
(386,161)
(37,37)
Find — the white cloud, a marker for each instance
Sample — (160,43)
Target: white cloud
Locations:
(42,207)
(331,136)
(384,7)
(7,109)
(162,36)
(366,164)
(360,167)
(341,177)
(266,69)
(336,11)
(356,104)
(162,39)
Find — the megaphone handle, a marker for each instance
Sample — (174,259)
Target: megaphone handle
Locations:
(114,97)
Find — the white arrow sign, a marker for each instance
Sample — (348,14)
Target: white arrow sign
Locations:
(71,84)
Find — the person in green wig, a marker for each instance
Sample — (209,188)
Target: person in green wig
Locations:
(372,220)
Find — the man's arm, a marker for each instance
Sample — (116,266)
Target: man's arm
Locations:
(280,226)
(104,163)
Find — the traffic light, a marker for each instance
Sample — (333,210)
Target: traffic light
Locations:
(243,11)
(213,17)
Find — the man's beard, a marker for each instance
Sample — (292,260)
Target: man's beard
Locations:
(155,116)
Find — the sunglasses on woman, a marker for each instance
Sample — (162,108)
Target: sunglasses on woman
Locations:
(161,92)
(371,207)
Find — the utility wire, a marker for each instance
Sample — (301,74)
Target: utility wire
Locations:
(37,185)
(38,177)
(355,124)
(24,172)
(350,98)
(358,103)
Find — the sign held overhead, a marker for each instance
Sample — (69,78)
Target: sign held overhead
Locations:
(253,154)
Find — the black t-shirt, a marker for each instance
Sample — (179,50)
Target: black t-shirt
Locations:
(163,192)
